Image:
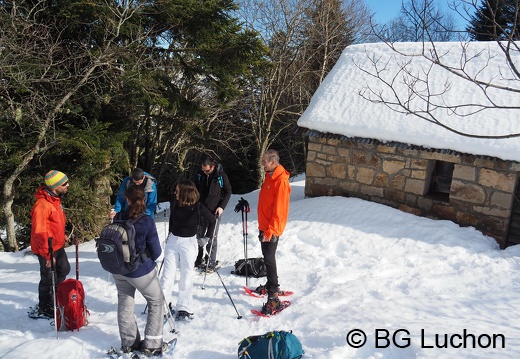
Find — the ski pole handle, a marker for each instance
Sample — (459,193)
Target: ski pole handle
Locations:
(77,257)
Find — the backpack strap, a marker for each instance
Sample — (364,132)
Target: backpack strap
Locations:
(142,252)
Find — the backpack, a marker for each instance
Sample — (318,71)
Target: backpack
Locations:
(271,345)
(255,267)
(117,249)
(71,313)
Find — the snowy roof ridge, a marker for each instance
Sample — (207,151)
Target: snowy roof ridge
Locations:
(338,106)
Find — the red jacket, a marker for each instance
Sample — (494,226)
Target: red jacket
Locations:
(273,203)
(48,220)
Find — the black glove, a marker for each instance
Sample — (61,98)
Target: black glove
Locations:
(242,205)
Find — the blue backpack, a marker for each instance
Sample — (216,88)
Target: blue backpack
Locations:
(271,345)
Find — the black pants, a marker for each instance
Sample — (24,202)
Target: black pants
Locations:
(269,253)
(45,299)
(210,249)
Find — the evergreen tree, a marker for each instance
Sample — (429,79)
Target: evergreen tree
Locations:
(495,20)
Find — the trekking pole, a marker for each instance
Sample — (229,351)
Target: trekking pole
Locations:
(77,258)
(243,206)
(169,317)
(53,268)
(246,257)
(168,312)
(162,262)
(158,275)
(221,281)
(215,231)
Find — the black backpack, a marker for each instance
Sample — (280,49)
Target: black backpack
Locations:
(255,267)
(117,249)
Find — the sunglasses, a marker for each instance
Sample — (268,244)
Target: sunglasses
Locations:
(65,184)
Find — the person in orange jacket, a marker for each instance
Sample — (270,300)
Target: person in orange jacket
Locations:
(273,211)
(48,221)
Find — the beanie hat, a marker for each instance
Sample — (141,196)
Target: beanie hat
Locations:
(55,179)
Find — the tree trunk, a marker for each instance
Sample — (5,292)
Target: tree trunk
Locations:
(8,196)
(12,243)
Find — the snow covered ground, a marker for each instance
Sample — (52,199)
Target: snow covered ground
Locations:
(416,287)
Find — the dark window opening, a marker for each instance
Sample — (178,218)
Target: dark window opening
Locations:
(441,180)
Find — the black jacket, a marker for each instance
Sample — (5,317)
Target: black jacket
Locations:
(215,189)
(185,220)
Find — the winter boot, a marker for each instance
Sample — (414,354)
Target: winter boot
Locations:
(272,306)
(260,289)
(156,352)
(184,316)
(47,311)
(138,344)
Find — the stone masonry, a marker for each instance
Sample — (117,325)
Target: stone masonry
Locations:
(481,192)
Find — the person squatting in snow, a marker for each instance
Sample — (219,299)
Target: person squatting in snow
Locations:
(181,245)
(144,279)
(48,221)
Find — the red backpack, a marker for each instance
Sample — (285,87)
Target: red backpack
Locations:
(71,311)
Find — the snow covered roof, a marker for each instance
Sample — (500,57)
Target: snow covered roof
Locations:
(357,98)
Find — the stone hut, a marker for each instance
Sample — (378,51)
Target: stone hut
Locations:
(362,145)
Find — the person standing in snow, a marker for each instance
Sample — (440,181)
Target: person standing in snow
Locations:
(48,221)
(273,211)
(141,179)
(215,191)
(181,244)
(144,279)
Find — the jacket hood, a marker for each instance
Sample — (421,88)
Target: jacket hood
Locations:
(280,173)
(43,192)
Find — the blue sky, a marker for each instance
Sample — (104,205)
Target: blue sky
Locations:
(385,10)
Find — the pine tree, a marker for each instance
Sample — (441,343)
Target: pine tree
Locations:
(495,20)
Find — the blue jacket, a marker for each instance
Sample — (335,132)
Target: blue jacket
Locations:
(150,191)
(147,239)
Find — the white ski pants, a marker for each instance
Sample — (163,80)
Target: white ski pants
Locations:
(179,252)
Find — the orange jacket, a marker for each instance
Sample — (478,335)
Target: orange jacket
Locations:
(273,202)
(48,220)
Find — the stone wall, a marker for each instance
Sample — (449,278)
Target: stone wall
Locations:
(481,191)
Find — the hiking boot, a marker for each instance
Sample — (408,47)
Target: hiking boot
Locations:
(199,263)
(138,344)
(156,352)
(212,267)
(47,311)
(272,306)
(260,289)
(184,315)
